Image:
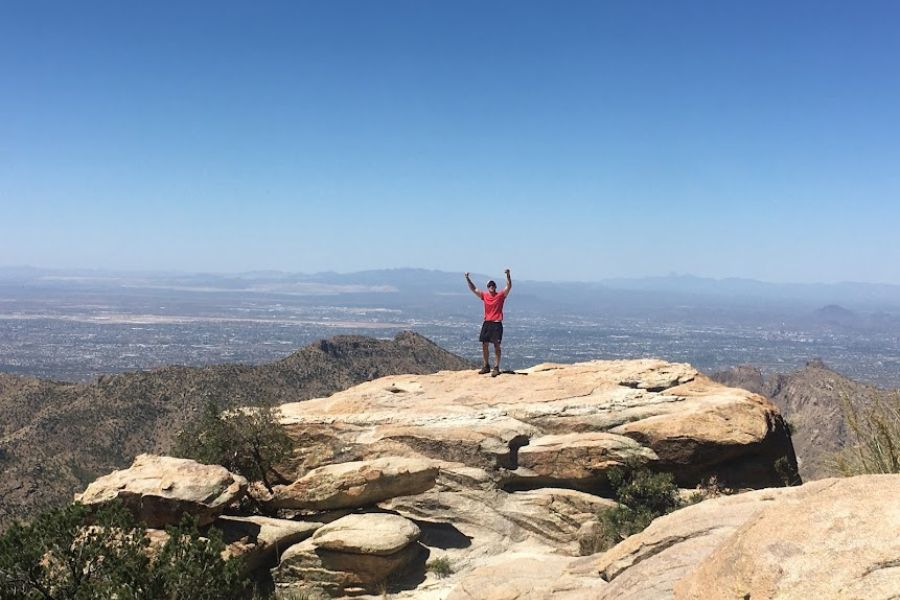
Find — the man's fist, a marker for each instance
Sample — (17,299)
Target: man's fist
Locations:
(467,274)
(506,271)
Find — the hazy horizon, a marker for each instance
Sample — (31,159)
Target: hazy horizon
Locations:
(264,270)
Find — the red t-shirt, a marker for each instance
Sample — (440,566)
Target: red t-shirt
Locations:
(493,305)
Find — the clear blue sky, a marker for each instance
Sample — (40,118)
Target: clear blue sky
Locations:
(566,140)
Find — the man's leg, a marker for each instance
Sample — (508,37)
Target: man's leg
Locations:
(497,356)
(485,366)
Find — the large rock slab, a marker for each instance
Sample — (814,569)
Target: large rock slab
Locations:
(260,541)
(159,490)
(369,533)
(675,416)
(357,484)
(839,539)
(695,539)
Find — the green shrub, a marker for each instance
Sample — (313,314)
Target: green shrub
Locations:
(249,441)
(643,496)
(874,429)
(58,556)
(441,567)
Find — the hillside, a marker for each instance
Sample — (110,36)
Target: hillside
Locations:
(810,400)
(56,437)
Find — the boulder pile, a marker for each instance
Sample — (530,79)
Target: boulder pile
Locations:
(455,486)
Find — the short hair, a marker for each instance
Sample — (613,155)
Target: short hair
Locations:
(491,283)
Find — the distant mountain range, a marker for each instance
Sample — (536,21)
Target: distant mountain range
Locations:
(409,282)
(56,437)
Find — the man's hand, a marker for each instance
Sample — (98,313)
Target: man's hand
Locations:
(467,274)
(508,282)
(507,272)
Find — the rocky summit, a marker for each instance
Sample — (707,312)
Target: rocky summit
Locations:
(456,486)
(554,425)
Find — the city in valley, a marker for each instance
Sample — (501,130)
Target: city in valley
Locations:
(76,326)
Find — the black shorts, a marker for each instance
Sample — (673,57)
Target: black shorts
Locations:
(491,331)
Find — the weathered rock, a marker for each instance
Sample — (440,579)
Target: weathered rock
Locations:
(528,576)
(493,520)
(368,533)
(645,566)
(159,490)
(694,427)
(848,521)
(307,568)
(357,484)
(579,459)
(261,540)
(837,538)
(737,436)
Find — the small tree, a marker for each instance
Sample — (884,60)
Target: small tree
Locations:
(60,556)
(248,441)
(642,495)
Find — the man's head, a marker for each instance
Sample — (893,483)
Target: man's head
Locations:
(492,287)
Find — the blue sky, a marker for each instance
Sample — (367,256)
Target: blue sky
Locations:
(566,140)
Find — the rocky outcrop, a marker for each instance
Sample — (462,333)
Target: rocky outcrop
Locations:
(810,541)
(356,484)
(555,425)
(357,552)
(159,490)
(502,479)
(838,538)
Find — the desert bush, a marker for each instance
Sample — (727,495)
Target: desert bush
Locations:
(874,429)
(71,553)
(441,567)
(250,441)
(643,496)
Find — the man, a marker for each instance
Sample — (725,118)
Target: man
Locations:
(492,329)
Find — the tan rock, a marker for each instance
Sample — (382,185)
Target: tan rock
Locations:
(580,459)
(368,533)
(159,490)
(836,538)
(527,576)
(261,540)
(645,566)
(306,568)
(826,531)
(695,427)
(357,484)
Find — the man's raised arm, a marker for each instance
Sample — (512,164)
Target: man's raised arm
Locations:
(472,287)
(508,283)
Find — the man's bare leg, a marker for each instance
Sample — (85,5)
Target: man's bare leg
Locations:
(497,356)
(485,366)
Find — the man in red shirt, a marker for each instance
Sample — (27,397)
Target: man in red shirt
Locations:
(492,329)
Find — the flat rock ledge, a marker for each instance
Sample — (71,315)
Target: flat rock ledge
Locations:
(356,484)
(159,490)
(550,426)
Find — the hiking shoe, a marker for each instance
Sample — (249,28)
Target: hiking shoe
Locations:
(485,369)
(495,372)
